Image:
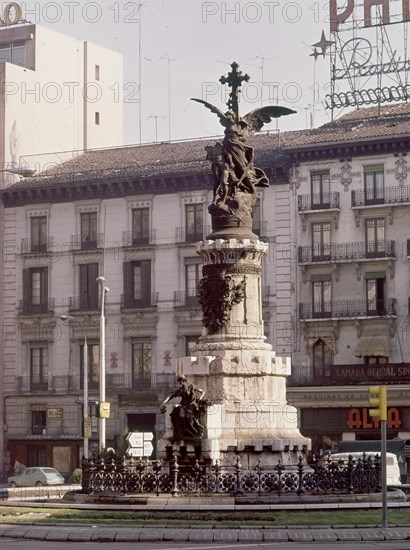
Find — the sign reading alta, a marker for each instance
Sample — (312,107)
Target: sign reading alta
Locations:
(361,419)
(11,15)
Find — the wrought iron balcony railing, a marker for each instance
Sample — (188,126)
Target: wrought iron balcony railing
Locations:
(84,303)
(30,246)
(139,300)
(81,242)
(339,252)
(347,308)
(151,380)
(27,308)
(388,195)
(130,239)
(187,235)
(185,299)
(320,201)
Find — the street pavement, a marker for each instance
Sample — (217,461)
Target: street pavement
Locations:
(201,534)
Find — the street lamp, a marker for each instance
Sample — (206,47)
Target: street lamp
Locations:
(85,381)
(104,290)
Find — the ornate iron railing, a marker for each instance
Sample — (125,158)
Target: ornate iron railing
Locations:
(346,251)
(319,201)
(347,308)
(130,239)
(389,195)
(123,475)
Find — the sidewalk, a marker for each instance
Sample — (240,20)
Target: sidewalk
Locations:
(100,533)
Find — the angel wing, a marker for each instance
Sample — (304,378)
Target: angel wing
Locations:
(257,118)
(222,117)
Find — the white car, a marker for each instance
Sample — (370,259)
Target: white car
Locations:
(36,477)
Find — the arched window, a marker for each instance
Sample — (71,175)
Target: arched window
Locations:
(322,359)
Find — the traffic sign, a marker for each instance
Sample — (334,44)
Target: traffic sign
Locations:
(135,439)
(140,444)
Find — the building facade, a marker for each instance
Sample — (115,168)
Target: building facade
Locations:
(335,282)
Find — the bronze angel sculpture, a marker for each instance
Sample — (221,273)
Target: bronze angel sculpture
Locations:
(234,173)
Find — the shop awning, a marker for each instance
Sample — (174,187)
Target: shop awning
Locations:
(326,338)
(373,346)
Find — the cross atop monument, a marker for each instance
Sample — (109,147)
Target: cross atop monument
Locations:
(234,81)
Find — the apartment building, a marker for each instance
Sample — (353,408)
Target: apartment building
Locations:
(335,282)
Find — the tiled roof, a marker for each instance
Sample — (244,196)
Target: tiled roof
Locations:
(167,159)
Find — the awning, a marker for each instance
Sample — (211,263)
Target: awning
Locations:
(373,346)
(327,339)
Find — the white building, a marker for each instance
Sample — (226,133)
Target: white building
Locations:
(136,219)
(57,93)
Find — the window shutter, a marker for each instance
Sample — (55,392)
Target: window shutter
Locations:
(93,286)
(83,286)
(146,281)
(128,294)
(26,290)
(44,289)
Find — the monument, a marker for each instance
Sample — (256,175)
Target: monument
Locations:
(235,401)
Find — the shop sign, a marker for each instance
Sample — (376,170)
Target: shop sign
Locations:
(360,418)
(54,413)
(11,15)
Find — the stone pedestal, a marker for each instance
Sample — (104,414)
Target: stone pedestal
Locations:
(241,375)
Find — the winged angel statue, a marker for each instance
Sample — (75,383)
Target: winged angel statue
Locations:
(235,176)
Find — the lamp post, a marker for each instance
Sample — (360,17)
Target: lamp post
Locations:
(85,380)
(104,290)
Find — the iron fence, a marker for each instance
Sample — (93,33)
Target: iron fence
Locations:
(318,201)
(129,475)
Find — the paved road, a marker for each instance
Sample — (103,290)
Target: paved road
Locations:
(13,544)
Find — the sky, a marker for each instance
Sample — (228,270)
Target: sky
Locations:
(185,46)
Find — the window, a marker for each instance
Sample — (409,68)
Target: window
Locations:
(375,243)
(88,222)
(322,359)
(35,290)
(36,455)
(93,365)
(97,118)
(39,422)
(375,291)
(137,284)
(321,241)
(13,52)
(374,184)
(190,343)
(322,296)
(141,364)
(372,360)
(256,218)
(140,226)
(193,273)
(97,72)
(38,227)
(88,286)
(39,366)
(194,214)
(320,188)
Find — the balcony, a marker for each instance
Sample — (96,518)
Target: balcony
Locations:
(82,303)
(130,240)
(28,246)
(26,384)
(80,242)
(395,373)
(140,301)
(346,252)
(323,201)
(347,309)
(187,235)
(45,307)
(184,299)
(153,380)
(388,196)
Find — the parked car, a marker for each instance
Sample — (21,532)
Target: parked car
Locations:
(36,477)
